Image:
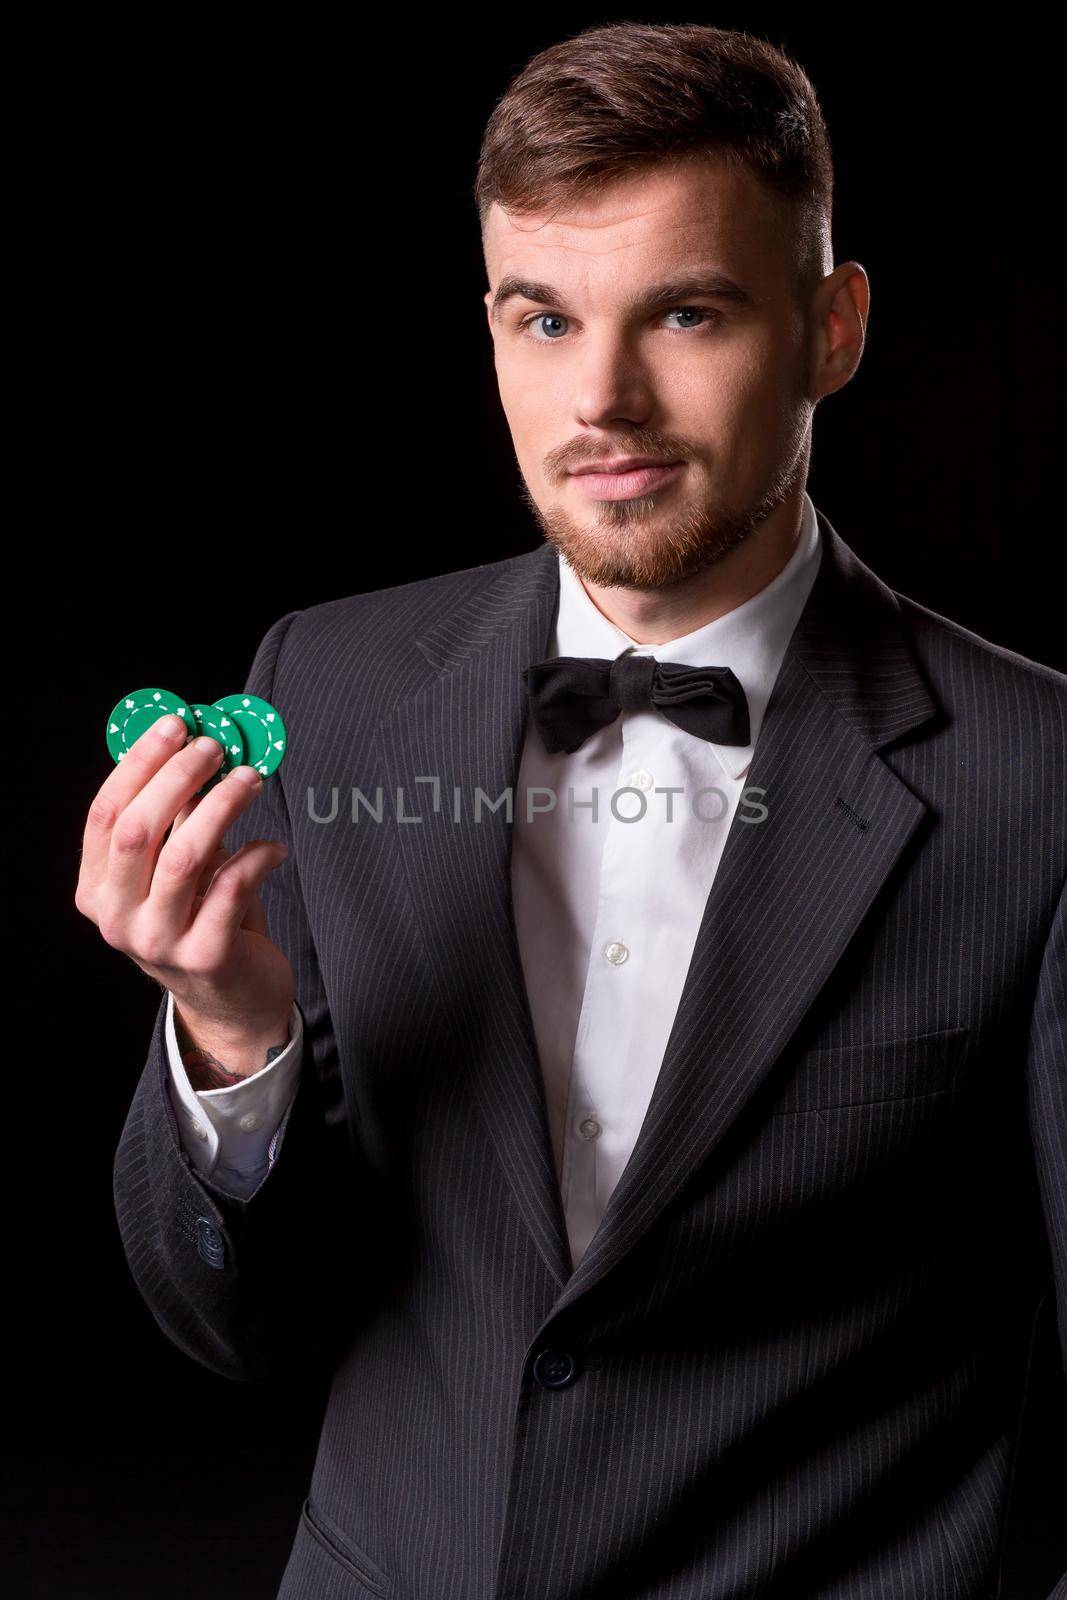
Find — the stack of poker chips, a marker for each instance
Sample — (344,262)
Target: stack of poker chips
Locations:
(250,730)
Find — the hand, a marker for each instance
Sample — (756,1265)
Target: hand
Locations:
(178,904)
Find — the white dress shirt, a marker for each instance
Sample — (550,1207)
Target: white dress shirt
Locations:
(609,891)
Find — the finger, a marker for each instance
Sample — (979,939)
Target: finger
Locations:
(185,857)
(138,832)
(209,871)
(255,918)
(220,855)
(141,762)
(229,899)
(186,811)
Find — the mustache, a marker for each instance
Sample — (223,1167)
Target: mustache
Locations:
(580,453)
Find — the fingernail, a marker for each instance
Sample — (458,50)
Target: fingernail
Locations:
(207,746)
(170,726)
(247,775)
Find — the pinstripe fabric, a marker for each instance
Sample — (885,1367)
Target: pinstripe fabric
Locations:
(798,1343)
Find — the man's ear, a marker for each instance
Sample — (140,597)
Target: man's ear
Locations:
(488,298)
(839,322)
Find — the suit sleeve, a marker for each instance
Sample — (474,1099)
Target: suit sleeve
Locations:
(247,1283)
(1047,1089)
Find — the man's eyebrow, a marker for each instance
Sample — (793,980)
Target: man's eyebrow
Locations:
(688,284)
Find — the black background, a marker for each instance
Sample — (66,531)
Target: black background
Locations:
(259,377)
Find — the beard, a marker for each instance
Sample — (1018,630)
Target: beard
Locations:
(641,544)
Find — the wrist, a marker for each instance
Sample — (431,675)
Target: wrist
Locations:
(217,1057)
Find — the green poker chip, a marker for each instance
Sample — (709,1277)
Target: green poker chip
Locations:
(220,726)
(135,714)
(261,727)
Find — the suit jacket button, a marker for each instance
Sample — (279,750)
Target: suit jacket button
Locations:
(210,1245)
(555,1369)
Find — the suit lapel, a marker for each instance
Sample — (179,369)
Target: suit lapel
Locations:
(466,726)
(788,897)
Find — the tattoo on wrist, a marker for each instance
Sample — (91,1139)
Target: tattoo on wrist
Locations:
(206,1071)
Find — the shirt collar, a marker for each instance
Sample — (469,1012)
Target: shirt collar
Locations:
(751,639)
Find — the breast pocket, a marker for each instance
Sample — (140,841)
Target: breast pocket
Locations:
(836,1076)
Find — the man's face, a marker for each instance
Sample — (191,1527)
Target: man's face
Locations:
(589,370)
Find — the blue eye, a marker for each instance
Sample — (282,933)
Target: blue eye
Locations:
(544,316)
(709,317)
(689,311)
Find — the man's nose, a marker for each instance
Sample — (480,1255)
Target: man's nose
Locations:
(612,384)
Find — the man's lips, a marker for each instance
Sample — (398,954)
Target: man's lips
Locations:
(593,483)
(620,464)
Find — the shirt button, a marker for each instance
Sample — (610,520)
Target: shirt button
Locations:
(249,1122)
(616,953)
(199,1130)
(641,780)
(589,1127)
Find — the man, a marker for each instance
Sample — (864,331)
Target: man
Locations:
(644,1077)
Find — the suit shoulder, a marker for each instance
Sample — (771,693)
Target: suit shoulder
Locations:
(365,640)
(411,604)
(948,646)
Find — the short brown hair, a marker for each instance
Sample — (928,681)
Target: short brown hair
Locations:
(612,100)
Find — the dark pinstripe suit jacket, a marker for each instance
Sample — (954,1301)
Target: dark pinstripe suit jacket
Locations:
(793,1361)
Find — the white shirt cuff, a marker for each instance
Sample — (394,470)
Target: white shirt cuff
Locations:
(227,1133)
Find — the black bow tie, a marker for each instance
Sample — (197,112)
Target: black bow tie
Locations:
(572,697)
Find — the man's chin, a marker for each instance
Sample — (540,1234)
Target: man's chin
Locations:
(640,557)
(605,571)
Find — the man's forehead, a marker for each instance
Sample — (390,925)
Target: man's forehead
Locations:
(693,209)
